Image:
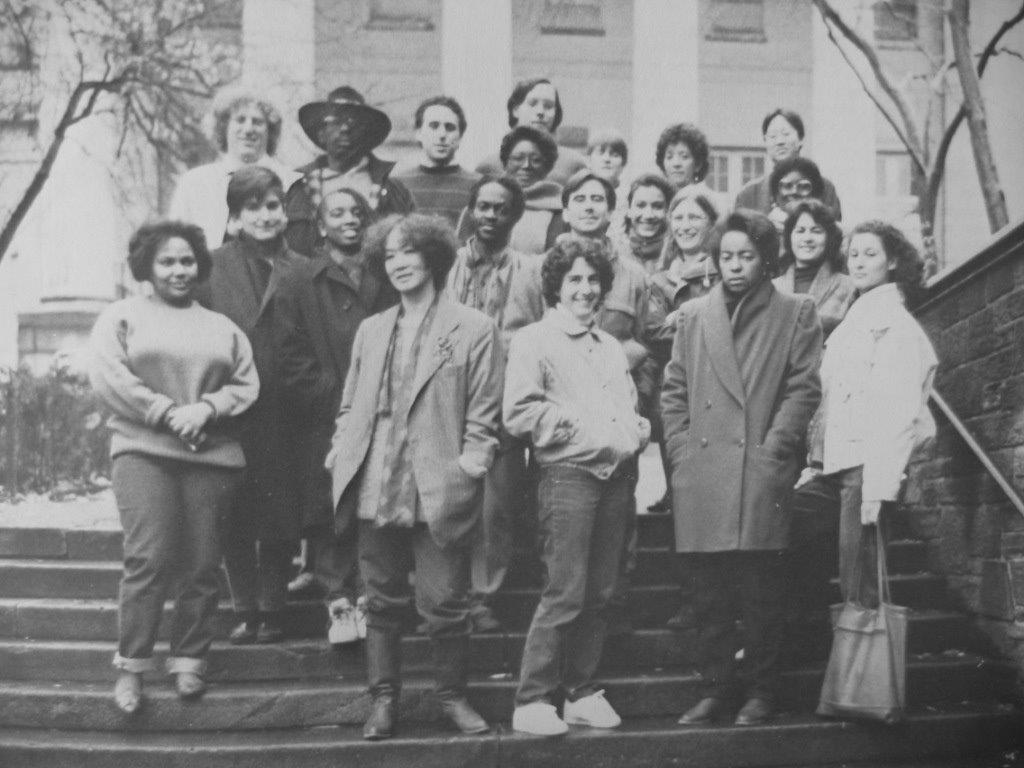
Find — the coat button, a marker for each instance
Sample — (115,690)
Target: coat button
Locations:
(703,442)
(741,442)
(707,404)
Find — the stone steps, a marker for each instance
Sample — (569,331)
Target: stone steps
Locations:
(932,681)
(964,737)
(73,658)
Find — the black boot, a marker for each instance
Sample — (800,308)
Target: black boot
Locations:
(450,659)
(383,667)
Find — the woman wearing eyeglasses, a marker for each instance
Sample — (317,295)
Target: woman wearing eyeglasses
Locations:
(791,181)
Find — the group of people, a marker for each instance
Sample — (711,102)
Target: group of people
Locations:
(407,369)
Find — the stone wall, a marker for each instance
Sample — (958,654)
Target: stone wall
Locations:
(975,318)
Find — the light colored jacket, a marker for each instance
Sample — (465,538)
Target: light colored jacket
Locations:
(453,416)
(569,392)
(833,293)
(877,374)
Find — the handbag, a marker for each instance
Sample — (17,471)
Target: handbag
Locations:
(866,676)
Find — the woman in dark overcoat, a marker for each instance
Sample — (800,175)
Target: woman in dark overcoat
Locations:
(319,307)
(739,392)
(261,532)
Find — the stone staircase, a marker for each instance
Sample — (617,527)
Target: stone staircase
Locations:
(301,703)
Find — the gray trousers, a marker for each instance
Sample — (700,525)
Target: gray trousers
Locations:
(170,511)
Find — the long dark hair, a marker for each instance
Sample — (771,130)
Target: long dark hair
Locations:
(823,217)
(909,271)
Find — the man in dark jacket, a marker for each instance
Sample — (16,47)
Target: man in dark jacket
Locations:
(739,392)
(348,130)
(320,305)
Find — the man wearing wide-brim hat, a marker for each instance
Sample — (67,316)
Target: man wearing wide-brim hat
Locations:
(347,129)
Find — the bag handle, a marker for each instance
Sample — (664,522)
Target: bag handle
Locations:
(884,595)
(881,565)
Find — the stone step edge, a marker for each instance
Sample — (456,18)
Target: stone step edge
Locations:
(797,740)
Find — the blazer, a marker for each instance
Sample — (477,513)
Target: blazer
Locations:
(833,293)
(736,402)
(453,416)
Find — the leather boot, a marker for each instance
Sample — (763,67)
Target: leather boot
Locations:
(451,655)
(383,668)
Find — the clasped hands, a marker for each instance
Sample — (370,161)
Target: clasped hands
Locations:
(188,421)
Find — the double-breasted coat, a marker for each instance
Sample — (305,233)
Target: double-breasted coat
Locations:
(452,423)
(318,310)
(737,398)
(268,495)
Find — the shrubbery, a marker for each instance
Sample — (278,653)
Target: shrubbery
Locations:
(53,435)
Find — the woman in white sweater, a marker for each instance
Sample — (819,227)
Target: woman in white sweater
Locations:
(876,376)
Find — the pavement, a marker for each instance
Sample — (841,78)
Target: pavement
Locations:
(98,511)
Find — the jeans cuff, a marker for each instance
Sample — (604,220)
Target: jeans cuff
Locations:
(133,665)
(176,664)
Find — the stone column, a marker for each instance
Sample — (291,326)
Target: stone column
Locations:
(666,43)
(841,131)
(476,68)
(279,49)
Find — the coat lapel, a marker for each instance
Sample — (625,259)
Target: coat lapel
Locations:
(718,339)
(822,285)
(438,339)
(375,351)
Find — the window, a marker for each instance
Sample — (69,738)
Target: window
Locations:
(736,20)
(572,17)
(893,174)
(730,169)
(895,20)
(401,15)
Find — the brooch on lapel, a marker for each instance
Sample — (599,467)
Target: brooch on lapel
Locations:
(444,350)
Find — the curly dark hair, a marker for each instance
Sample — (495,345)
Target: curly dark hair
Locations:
(518,204)
(228,101)
(563,255)
(544,143)
(366,213)
(580,178)
(440,101)
(149,238)
(655,180)
(431,236)
(694,139)
(825,218)
(909,271)
(802,165)
(758,228)
(519,94)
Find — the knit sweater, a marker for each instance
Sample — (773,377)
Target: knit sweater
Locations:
(148,356)
(439,191)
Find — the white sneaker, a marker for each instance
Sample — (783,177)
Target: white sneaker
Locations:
(538,718)
(361,617)
(343,627)
(593,710)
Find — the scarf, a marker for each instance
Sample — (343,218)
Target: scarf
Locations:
(646,249)
(484,282)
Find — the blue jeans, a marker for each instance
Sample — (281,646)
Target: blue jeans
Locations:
(583,522)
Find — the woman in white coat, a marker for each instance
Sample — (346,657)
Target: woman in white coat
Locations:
(876,376)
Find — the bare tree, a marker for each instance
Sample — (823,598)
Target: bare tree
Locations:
(927,154)
(147,61)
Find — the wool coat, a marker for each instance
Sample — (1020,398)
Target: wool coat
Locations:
(318,311)
(737,398)
(832,291)
(452,423)
(266,431)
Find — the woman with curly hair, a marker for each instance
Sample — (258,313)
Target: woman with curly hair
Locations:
(174,374)
(527,155)
(246,130)
(812,261)
(876,377)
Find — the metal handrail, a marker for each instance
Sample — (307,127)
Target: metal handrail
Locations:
(986,461)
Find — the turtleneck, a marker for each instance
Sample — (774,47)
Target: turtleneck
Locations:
(265,249)
(803,276)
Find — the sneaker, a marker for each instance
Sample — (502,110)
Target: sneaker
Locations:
(343,629)
(361,617)
(538,718)
(593,710)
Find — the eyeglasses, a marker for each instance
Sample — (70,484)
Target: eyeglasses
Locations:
(802,187)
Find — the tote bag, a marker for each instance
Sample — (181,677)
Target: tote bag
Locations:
(866,675)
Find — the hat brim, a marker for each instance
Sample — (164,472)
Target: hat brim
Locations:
(377,125)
